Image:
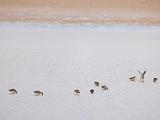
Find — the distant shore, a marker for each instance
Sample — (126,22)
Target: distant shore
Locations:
(77,12)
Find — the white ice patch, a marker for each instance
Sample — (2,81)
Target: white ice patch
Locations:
(58,59)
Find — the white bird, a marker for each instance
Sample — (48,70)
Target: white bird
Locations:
(142,76)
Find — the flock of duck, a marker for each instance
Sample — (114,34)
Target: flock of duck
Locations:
(141,77)
(40,93)
(36,93)
(77,91)
(104,87)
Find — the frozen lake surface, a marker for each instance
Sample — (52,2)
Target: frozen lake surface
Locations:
(60,58)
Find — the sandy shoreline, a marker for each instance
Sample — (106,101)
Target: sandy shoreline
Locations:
(50,15)
(102,11)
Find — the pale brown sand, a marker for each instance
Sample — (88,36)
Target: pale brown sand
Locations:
(81,11)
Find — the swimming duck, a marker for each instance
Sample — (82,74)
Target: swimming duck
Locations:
(13,91)
(96,83)
(155,79)
(38,93)
(104,87)
(77,92)
(91,91)
(132,78)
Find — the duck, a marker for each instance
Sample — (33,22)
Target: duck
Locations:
(77,92)
(132,78)
(91,91)
(38,93)
(96,83)
(155,79)
(104,87)
(13,91)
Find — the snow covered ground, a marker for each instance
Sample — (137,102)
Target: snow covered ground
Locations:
(60,58)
